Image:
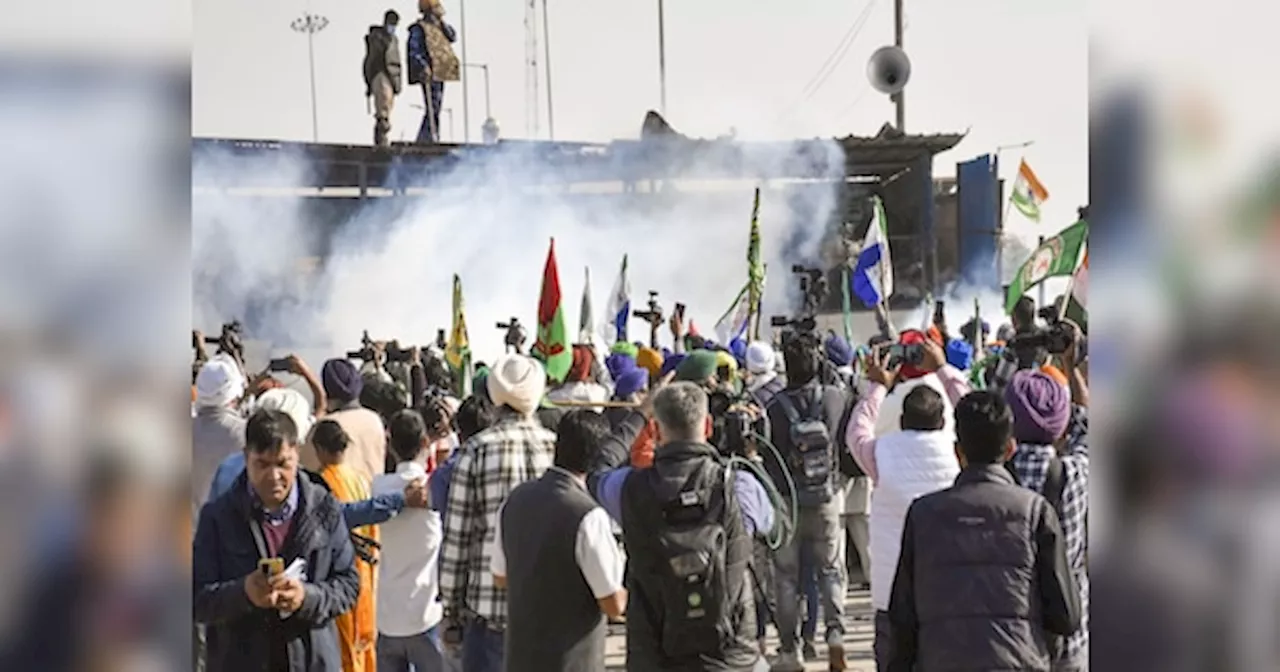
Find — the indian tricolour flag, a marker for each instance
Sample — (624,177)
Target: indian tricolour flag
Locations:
(1028,193)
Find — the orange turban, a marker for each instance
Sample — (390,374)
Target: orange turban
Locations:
(651,361)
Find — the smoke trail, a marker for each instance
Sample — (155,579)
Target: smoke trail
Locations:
(489,219)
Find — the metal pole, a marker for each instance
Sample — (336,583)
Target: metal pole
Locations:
(487,113)
(662,57)
(1041,298)
(466,118)
(311,24)
(485,67)
(311,63)
(1004,214)
(546,30)
(899,98)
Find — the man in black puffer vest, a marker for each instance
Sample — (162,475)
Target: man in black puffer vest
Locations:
(687,525)
(982,581)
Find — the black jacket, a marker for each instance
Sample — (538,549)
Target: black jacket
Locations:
(983,581)
(679,469)
(242,637)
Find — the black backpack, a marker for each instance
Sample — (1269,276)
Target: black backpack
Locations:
(810,458)
(849,467)
(696,615)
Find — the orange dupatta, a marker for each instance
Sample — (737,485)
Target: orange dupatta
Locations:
(357,629)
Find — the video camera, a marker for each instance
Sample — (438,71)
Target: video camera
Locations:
(367,352)
(653,316)
(813,284)
(230,340)
(515,337)
(1056,338)
(732,423)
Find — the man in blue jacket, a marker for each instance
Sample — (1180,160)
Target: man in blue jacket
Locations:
(282,622)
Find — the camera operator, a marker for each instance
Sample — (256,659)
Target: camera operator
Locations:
(805,419)
(1024,326)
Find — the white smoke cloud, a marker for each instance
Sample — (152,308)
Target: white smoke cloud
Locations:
(490,220)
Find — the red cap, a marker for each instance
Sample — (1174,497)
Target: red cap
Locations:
(913,337)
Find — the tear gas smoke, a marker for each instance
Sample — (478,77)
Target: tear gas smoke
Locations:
(389,266)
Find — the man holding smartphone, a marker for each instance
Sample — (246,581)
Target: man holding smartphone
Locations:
(257,618)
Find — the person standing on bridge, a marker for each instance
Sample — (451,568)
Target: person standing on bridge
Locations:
(382,73)
(432,62)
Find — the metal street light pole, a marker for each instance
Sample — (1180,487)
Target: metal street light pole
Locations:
(546,29)
(311,24)
(662,58)
(900,106)
(466,99)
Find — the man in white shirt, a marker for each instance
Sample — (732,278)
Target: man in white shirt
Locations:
(408,601)
(554,545)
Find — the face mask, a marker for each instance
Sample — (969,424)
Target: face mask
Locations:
(391,29)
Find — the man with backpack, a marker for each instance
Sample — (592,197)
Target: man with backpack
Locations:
(687,524)
(382,73)
(804,420)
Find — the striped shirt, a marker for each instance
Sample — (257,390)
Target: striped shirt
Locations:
(1031,463)
(489,466)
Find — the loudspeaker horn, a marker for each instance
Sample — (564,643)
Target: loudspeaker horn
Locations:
(889,69)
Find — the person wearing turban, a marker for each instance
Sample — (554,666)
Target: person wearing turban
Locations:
(1051,436)
(217,430)
(763,380)
(650,360)
(579,386)
(367,453)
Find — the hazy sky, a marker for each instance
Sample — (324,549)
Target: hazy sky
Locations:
(1006,71)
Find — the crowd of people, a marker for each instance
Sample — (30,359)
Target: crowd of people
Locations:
(698,496)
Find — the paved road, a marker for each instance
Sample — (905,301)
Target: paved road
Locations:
(859,633)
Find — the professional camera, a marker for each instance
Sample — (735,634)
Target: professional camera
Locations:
(516,335)
(732,423)
(397,353)
(813,284)
(230,340)
(653,316)
(1055,339)
(367,352)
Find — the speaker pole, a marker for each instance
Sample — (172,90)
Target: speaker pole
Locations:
(897,42)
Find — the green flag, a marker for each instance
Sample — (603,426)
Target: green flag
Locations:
(845,309)
(1056,256)
(552,346)
(458,351)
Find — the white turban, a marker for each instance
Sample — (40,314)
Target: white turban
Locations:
(760,357)
(517,381)
(292,403)
(219,382)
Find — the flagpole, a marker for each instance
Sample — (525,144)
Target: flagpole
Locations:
(1071,283)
